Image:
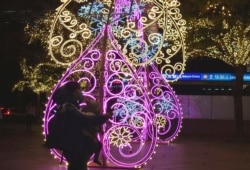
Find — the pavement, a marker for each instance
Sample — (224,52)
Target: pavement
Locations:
(20,150)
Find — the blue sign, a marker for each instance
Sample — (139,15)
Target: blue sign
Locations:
(208,77)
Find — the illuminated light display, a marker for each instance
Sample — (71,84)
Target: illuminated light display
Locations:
(132,118)
(145,31)
(114,50)
(210,77)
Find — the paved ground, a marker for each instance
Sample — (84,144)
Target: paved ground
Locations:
(20,150)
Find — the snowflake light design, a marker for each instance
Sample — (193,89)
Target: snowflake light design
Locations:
(160,121)
(120,137)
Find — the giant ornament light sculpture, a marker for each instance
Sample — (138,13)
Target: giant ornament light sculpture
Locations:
(122,53)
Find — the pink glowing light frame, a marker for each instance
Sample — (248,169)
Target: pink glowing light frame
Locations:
(140,124)
(132,101)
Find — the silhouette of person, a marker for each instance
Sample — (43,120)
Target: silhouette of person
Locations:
(77,145)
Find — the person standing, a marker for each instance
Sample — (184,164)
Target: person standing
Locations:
(30,116)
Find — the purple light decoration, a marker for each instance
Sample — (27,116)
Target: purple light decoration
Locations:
(124,142)
(129,99)
(129,8)
(166,105)
(144,105)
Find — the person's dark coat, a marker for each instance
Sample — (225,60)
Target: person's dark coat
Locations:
(74,139)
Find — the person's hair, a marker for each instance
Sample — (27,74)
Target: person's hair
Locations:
(65,92)
(71,86)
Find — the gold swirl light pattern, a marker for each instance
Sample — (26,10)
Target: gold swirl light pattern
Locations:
(146,31)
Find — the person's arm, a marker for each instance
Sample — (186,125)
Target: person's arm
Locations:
(90,119)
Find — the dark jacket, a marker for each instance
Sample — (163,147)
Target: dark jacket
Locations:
(75,122)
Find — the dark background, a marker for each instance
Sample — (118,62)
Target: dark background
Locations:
(14,15)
